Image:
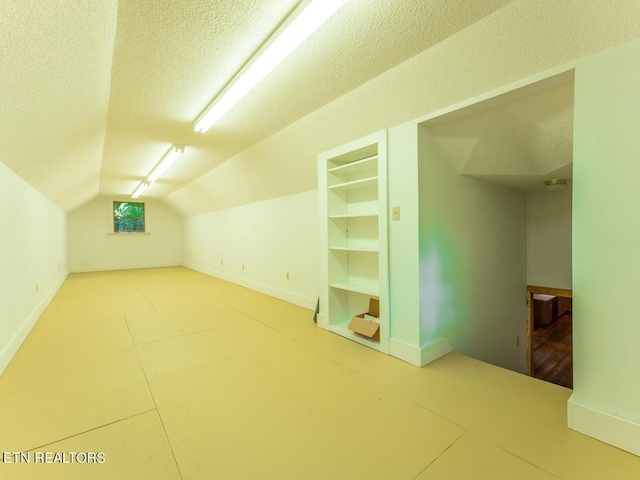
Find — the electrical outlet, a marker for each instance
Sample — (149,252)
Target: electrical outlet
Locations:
(395,213)
(243,266)
(518,341)
(287,276)
(37,287)
(221,263)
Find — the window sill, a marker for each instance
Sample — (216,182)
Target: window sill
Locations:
(128,234)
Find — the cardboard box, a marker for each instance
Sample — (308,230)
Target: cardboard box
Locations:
(374,307)
(368,324)
(372,319)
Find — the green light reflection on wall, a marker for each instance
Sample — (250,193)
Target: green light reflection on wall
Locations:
(443,288)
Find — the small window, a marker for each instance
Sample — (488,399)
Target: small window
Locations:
(128,217)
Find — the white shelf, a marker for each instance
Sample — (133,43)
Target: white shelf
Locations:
(342,328)
(355,215)
(372,289)
(365,182)
(356,248)
(358,165)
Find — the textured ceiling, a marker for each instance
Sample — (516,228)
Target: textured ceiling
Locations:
(94,92)
(520,144)
(54,92)
(171,58)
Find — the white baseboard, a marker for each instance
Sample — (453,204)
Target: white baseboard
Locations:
(434,350)
(401,350)
(323,320)
(123,266)
(290,297)
(419,356)
(603,426)
(14,344)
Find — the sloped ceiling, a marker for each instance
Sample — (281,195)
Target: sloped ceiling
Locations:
(519,144)
(55,58)
(94,93)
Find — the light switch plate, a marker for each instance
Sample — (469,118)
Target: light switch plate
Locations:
(395,213)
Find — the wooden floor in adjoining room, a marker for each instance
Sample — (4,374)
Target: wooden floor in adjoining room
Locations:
(172,374)
(553,352)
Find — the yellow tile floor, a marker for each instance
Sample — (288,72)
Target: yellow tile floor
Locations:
(172,374)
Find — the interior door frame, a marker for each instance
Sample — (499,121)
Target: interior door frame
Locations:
(531,290)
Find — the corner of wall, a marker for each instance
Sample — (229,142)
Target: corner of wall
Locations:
(420,356)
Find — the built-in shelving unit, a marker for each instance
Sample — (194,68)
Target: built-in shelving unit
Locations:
(353,214)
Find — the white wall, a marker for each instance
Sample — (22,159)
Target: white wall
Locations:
(404,279)
(33,249)
(472,261)
(94,247)
(606,249)
(269,238)
(549,239)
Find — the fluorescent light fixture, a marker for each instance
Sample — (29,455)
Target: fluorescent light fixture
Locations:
(141,188)
(169,158)
(312,14)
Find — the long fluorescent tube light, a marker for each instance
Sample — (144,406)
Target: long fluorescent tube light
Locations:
(169,159)
(314,14)
(141,188)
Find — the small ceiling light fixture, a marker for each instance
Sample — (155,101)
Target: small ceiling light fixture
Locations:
(555,184)
(305,20)
(169,159)
(165,162)
(141,188)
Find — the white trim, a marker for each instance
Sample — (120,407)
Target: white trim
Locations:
(419,356)
(434,350)
(14,344)
(301,301)
(123,266)
(401,350)
(603,426)
(323,321)
(512,91)
(128,234)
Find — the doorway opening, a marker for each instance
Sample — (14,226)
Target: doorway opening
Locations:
(549,335)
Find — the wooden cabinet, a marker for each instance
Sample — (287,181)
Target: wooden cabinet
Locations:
(564,305)
(545,309)
(548,308)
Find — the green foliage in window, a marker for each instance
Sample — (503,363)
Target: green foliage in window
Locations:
(128,217)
